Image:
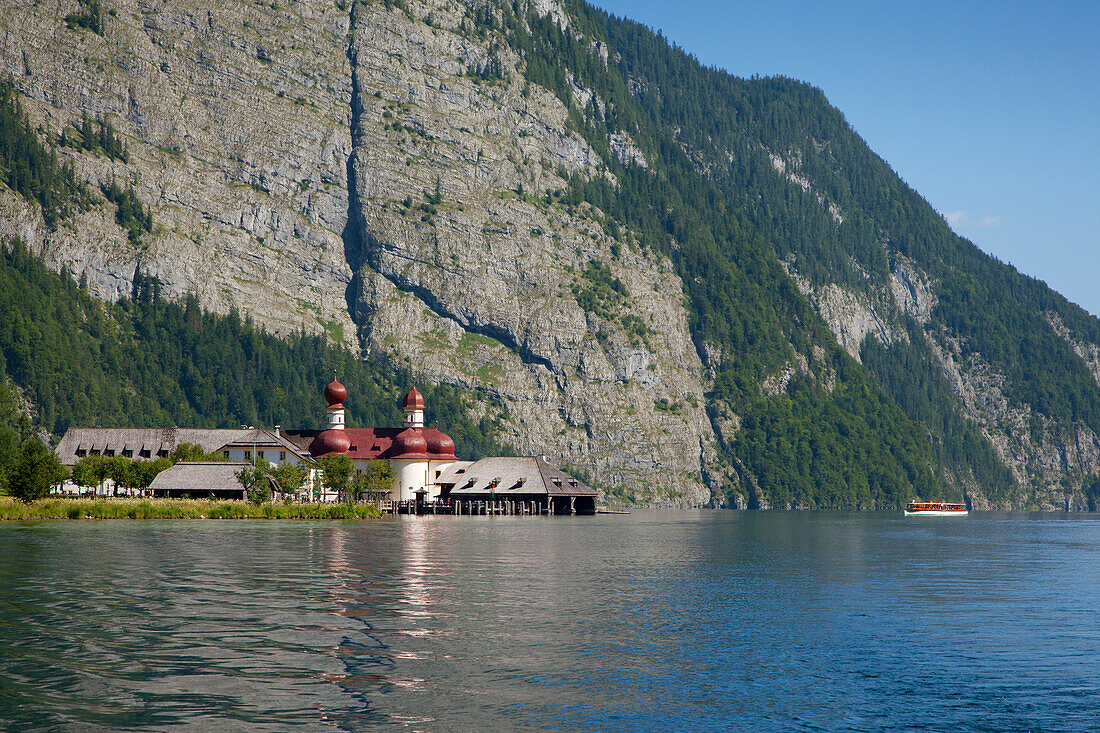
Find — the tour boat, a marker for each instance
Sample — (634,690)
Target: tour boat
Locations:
(934,509)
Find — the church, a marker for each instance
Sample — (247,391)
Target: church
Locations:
(419,455)
(427,469)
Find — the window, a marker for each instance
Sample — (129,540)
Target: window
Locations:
(127,453)
(81,452)
(438,474)
(144,453)
(282,455)
(260,455)
(109,452)
(225,454)
(163,453)
(248,455)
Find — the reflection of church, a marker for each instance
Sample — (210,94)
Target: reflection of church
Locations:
(418,454)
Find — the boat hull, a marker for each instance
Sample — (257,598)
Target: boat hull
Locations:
(935,513)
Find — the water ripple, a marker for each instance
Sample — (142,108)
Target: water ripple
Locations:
(656,621)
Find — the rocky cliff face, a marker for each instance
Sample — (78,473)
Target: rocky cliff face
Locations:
(342,169)
(237,122)
(469,271)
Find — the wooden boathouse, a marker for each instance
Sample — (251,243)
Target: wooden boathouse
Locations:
(512,486)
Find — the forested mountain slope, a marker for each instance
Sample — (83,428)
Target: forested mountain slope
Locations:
(686,286)
(1001,370)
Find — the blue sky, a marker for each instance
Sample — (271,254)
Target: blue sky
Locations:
(991,110)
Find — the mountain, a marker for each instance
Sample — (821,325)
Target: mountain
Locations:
(685,286)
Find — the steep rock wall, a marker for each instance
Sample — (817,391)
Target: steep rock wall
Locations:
(236,118)
(471,272)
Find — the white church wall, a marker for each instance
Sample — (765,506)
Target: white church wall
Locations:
(411,477)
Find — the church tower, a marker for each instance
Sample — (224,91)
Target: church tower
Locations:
(334,438)
(413,405)
(335,394)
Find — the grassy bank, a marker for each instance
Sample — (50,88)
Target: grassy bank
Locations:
(123,508)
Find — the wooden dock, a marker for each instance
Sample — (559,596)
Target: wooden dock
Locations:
(509,508)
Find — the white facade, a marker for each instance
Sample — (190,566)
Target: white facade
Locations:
(336,417)
(411,476)
(274,454)
(414,417)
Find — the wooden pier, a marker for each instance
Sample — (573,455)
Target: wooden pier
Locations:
(556,506)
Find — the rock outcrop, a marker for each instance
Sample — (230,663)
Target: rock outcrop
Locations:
(237,123)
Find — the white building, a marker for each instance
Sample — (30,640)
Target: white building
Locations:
(419,455)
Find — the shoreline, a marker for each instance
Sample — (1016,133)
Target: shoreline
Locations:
(58,508)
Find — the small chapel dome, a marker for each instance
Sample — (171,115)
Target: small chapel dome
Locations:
(330,441)
(413,400)
(411,441)
(335,393)
(440,444)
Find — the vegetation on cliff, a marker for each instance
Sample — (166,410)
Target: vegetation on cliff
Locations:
(147,361)
(29,167)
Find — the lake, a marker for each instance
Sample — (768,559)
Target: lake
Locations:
(660,620)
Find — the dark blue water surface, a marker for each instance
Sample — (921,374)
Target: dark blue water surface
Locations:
(652,621)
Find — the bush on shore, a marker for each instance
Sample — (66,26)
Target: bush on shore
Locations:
(130,508)
(36,470)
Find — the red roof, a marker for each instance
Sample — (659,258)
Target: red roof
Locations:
(368,443)
(413,400)
(335,393)
(329,441)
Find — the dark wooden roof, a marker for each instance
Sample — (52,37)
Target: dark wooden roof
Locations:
(154,440)
(264,439)
(503,477)
(200,476)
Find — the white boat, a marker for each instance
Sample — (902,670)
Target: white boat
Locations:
(934,509)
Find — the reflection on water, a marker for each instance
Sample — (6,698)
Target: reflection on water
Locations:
(654,621)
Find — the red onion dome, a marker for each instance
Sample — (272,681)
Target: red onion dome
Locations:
(411,441)
(440,444)
(330,441)
(335,393)
(413,400)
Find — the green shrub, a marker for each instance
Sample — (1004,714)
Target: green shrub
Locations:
(89,16)
(37,470)
(130,214)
